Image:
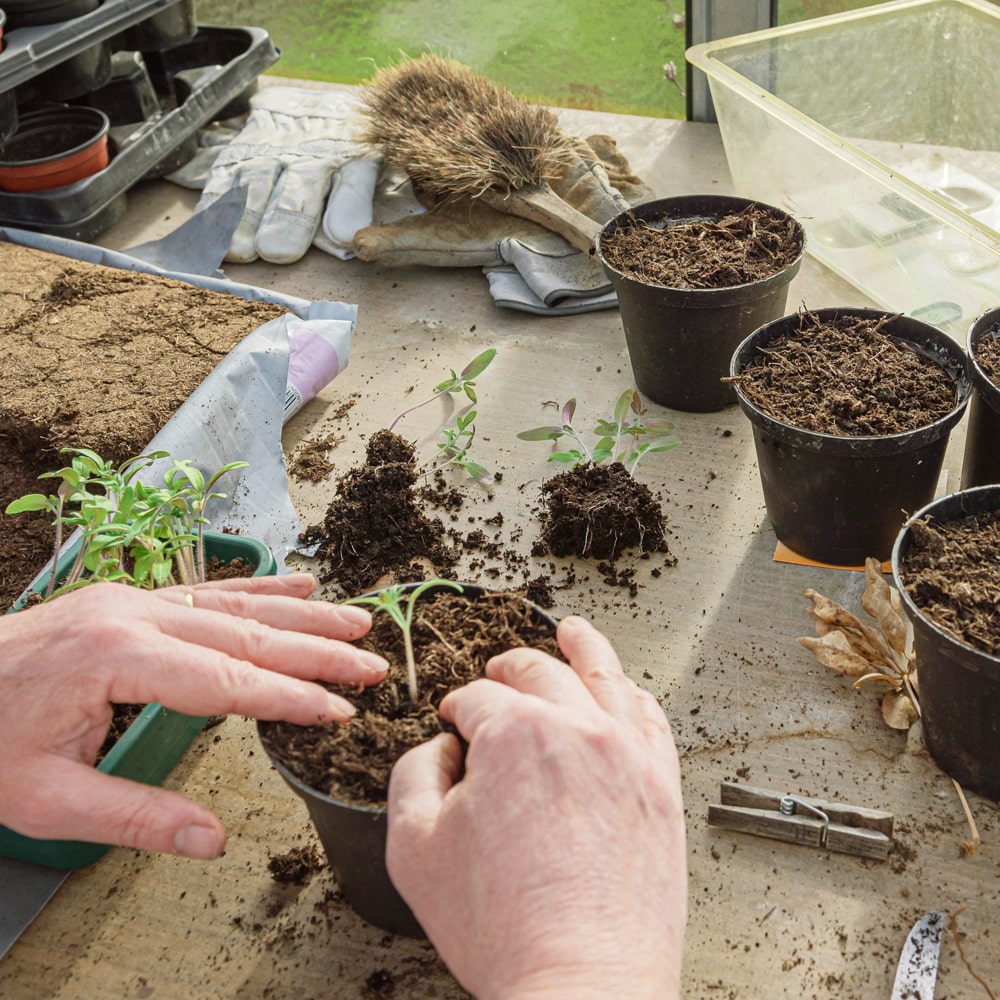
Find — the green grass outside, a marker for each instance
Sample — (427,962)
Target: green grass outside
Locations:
(607,56)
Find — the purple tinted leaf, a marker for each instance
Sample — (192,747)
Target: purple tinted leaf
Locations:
(479,363)
(542,434)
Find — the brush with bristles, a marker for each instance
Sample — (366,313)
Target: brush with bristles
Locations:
(458,135)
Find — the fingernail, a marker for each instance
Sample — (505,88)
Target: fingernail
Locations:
(351,615)
(341,709)
(200,842)
(373,662)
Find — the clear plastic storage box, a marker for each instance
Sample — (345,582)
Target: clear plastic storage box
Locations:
(879,130)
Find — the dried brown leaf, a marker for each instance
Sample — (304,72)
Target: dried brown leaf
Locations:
(827,616)
(834,650)
(826,610)
(898,710)
(878,601)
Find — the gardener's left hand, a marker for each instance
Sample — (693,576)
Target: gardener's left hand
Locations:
(249,647)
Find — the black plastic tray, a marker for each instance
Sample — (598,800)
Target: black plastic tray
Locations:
(29,51)
(217,67)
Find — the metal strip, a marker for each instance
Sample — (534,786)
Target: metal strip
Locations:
(25,888)
(707,20)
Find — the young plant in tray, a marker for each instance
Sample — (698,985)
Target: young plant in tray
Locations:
(131,532)
(399,602)
(627,437)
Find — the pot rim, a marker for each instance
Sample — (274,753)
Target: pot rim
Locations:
(984,324)
(714,206)
(306,791)
(900,547)
(44,119)
(841,442)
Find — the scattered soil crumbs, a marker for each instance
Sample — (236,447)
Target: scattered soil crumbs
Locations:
(847,376)
(952,573)
(98,357)
(736,249)
(374,526)
(311,460)
(453,637)
(297,866)
(598,511)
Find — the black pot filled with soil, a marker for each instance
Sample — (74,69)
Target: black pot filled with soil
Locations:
(851,412)
(946,566)
(981,462)
(694,275)
(342,772)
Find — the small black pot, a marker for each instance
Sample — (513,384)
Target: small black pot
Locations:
(25,13)
(354,836)
(981,463)
(170,27)
(80,74)
(680,340)
(959,685)
(837,499)
(8,116)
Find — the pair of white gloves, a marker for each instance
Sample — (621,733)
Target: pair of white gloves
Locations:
(310,181)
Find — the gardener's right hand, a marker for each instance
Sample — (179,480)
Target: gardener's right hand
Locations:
(248,647)
(555,865)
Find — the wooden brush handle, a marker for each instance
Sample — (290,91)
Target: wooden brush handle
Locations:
(542,205)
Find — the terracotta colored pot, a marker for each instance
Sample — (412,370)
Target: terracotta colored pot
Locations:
(54,147)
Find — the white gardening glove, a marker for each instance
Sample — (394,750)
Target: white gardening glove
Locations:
(308,179)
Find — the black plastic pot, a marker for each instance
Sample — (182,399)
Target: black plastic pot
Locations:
(25,13)
(354,836)
(680,340)
(88,70)
(981,462)
(169,27)
(959,685)
(837,499)
(128,97)
(8,116)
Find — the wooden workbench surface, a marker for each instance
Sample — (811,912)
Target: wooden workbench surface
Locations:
(712,637)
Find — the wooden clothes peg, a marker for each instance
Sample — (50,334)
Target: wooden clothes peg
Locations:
(798,819)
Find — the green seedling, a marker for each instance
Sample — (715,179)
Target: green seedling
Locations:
(627,437)
(463,381)
(454,447)
(132,533)
(399,602)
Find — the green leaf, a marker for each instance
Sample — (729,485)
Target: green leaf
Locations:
(479,473)
(479,363)
(32,501)
(542,434)
(626,401)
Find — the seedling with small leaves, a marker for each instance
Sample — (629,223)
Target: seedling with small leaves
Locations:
(627,437)
(457,382)
(132,533)
(399,602)
(454,448)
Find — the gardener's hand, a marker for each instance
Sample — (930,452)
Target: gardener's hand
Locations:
(249,647)
(556,863)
